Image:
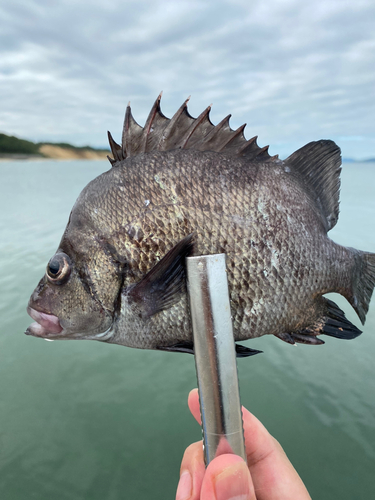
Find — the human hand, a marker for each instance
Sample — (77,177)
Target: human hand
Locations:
(268,474)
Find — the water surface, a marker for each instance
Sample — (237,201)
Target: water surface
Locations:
(85,420)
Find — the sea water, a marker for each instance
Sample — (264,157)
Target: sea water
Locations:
(85,420)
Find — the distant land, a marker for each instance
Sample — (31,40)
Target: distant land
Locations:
(352,160)
(12,147)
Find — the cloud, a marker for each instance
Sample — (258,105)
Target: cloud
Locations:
(294,71)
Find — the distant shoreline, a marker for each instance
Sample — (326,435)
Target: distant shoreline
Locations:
(67,155)
(26,158)
(22,157)
(13,148)
(350,160)
(94,156)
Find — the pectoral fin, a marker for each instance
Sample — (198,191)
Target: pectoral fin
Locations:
(241,351)
(244,352)
(187,347)
(163,286)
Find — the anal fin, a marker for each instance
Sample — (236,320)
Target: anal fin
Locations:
(285,337)
(337,325)
(333,323)
(302,337)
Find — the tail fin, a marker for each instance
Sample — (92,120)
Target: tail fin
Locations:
(363,282)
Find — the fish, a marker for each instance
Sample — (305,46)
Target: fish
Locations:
(181,187)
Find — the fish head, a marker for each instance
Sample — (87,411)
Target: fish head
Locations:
(77,296)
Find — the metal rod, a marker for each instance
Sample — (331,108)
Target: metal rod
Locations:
(215,356)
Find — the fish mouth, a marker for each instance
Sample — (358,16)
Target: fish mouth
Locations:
(46,324)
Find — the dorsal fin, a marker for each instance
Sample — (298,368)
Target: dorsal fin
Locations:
(318,165)
(183,131)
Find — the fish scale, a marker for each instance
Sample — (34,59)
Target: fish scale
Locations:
(237,239)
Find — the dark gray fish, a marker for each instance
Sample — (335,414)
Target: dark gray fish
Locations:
(181,187)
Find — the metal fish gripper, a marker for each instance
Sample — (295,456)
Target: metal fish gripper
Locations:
(215,356)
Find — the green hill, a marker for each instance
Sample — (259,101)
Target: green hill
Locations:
(12,145)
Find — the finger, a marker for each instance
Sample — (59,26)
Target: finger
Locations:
(227,477)
(193,403)
(272,473)
(191,473)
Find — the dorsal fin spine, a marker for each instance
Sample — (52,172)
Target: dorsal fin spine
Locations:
(218,127)
(146,129)
(183,131)
(194,126)
(132,131)
(125,130)
(235,134)
(115,148)
(111,160)
(163,144)
(250,145)
(263,152)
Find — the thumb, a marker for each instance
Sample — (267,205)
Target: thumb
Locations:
(227,478)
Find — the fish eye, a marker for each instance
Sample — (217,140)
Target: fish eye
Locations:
(58,269)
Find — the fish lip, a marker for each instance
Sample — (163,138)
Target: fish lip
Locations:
(46,324)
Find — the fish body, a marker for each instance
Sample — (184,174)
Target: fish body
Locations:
(178,188)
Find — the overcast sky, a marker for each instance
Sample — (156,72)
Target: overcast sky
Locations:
(294,71)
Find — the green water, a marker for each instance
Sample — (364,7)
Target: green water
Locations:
(85,420)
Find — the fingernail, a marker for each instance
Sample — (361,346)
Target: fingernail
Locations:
(184,486)
(233,483)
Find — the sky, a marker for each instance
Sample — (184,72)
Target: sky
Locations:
(294,71)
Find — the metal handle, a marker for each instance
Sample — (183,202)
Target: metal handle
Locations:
(215,356)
